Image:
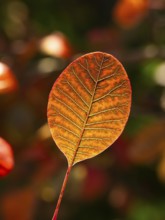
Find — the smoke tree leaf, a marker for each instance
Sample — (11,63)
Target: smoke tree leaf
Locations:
(89,106)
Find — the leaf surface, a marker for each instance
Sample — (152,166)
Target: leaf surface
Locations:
(89,106)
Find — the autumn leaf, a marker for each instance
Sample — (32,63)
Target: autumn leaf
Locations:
(88,107)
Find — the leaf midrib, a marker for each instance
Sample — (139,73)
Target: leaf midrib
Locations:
(88,113)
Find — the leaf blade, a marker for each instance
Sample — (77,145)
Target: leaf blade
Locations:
(97,110)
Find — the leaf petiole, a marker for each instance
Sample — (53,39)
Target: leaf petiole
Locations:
(61,193)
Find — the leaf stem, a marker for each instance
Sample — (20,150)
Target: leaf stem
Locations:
(61,193)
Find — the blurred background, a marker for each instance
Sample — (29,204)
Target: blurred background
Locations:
(38,39)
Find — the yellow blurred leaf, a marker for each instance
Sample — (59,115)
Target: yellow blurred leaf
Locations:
(161,167)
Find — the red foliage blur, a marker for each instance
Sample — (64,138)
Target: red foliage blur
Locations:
(95,185)
(6,158)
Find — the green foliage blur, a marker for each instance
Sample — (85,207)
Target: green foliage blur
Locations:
(38,39)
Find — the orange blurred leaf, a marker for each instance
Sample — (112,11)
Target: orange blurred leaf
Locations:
(6,158)
(129,12)
(8,82)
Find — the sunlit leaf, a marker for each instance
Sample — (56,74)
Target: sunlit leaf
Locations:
(6,158)
(88,106)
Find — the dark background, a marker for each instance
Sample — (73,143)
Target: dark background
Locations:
(127,181)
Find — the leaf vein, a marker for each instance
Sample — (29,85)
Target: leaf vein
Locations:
(73,71)
(66,129)
(67,147)
(105,121)
(71,86)
(67,106)
(85,68)
(66,139)
(65,117)
(101,128)
(109,93)
(110,76)
(69,97)
(110,109)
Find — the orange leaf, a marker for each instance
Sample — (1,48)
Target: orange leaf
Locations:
(89,106)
